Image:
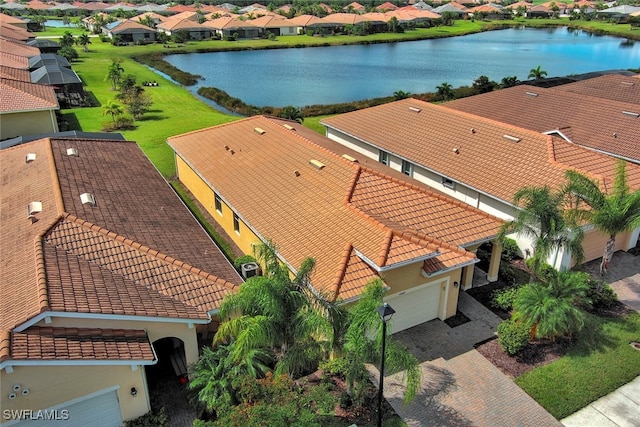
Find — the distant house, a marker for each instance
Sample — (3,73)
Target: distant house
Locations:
(108,281)
(130,31)
(12,20)
(481,161)
(27,109)
(187,22)
(358,222)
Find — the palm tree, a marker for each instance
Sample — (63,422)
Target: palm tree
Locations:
(113,109)
(400,94)
(279,314)
(292,113)
(540,216)
(553,309)
(84,40)
(445,92)
(509,81)
(611,213)
(536,73)
(114,73)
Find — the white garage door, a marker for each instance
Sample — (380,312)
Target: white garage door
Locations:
(414,306)
(101,410)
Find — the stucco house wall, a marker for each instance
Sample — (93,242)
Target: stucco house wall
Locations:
(27,123)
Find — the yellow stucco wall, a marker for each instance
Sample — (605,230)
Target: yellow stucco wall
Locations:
(30,123)
(54,385)
(244,237)
(594,243)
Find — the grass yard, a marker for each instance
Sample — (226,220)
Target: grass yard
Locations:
(601,361)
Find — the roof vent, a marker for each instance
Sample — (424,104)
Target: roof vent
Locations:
(531,94)
(296,173)
(288,127)
(30,157)
(34,208)
(351,159)
(259,131)
(316,164)
(415,109)
(88,198)
(473,130)
(631,113)
(512,138)
(456,150)
(72,152)
(627,83)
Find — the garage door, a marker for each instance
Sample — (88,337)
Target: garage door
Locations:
(414,306)
(101,410)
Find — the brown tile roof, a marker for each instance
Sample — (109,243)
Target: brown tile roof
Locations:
(130,25)
(615,87)
(596,123)
(317,212)
(138,251)
(8,19)
(46,343)
(426,134)
(14,61)
(18,48)
(20,96)
(14,33)
(14,74)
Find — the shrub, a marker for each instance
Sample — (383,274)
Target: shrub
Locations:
(504,298)
(150,419)
(513,336)
(601,294)
(243,260)
(510,249)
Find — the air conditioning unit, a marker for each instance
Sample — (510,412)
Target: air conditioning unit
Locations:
(250,269)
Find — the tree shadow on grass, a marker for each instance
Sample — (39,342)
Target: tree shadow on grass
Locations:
(151,118)
(593,337)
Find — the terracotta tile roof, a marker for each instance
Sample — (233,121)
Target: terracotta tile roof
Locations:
(129,258)
(18,48)
(595,122)
(20,96)
(14,33)
(46,343)
(14,73)
(8,19)
(427,134)
(130,25)
(310,213)
(615,87)
(14,61)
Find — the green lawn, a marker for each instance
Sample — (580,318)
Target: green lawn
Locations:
(601,362)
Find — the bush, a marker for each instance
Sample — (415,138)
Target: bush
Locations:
(510,249)
(601,294)
(504,298)
(243,260)
(150,419)
(513,336)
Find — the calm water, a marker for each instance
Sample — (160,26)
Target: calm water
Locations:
(327,75)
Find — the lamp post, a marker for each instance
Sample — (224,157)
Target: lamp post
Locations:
(385,311)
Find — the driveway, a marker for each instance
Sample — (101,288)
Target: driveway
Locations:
(459,386)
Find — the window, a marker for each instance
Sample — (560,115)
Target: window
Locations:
(448,183)
(407,168)
(383,157)
(236,223)
(218,203)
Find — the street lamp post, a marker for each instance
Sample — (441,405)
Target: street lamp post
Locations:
(385,311)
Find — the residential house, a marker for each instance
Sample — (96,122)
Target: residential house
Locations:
(15,33)
(14,74)
(105,274)
(26,108)
(616,87)
(130,31)
(18,48)
(265,179)
(186,21)
(12,20)
(482,162)
(489,11)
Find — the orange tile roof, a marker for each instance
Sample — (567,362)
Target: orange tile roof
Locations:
(594,122)
(14,73)
(138,251)
(14,33)
(14,61)
(322,213)
(20,96)
(615,87)
(8,19)
(427,134)
(128,25)
(18,48)
(46,343)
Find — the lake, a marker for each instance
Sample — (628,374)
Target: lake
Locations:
(328,75)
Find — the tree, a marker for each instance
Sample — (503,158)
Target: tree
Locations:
(84,40)
(400,94)
(114,73)
(41,21)
(69,53)
(445,92)
(537,73)
(540,215)
(138,102)
(281,315)
(509,81)
(612,212)
(113,109)
(67,39)
(292,113)
(483,85)
(553,309)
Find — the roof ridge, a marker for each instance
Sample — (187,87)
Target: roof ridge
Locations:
(418,237)
(337,282)
(54,178)
(149,251)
